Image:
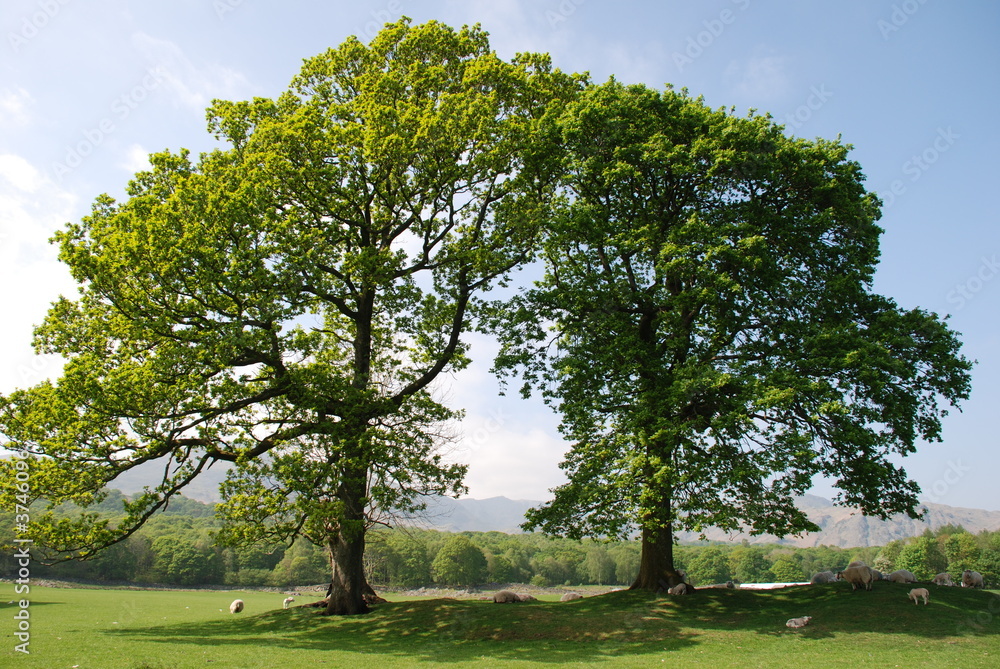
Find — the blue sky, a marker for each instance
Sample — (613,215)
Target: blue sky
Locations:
(87,89)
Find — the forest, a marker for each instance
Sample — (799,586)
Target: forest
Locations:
(178,548)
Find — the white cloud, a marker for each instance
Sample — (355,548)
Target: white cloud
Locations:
(759,78)
(19,174)
(14,107)
(136,159)
(194,85)
(31,209)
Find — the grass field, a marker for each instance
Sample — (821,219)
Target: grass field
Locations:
(134,629)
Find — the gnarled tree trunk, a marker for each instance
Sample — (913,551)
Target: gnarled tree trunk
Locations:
(656,566)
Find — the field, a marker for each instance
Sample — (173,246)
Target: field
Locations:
(149,629)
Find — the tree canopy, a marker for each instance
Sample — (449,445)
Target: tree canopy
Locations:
(707,330)
(286,302)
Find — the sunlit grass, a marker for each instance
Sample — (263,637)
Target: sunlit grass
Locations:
(131,629)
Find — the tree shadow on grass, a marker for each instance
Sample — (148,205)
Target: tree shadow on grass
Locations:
(596,628)
(835,609)
(444,631)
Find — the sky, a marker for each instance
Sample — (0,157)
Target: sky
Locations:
(89,89)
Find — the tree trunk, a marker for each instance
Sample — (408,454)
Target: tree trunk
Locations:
(347,585)
(346,543)
(656,568)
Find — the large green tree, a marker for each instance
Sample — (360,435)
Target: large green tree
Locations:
(707,330)
(286,302)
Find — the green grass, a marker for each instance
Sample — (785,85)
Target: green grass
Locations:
(132,629)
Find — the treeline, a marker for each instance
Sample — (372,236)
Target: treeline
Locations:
(178,547)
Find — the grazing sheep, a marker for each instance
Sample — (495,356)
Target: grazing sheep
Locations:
(681,589)
(902,576)
(823,577)
(972,579)
(877,575)
(917,593)
(236,606)
(570,596)
(943,578)
(288,600)
(857,563)
(798,622)
(505,597)
(857,576)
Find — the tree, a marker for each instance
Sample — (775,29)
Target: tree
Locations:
(786,570)
(709,565)
(706,329)
(459,562)
(285,303)
(963,552)
(748,564)
(922,557)
(599,566)
(411,565)
(888,557)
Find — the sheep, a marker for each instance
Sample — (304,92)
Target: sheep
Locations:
(798,622)
(972,579)
(902,576)
(570,596)
(823,577)
(505,597)
(681,589)
(877,575)
(857,563)
(288,600)
(526,598)
(917,593)
(943,578)
(236,606)
(857,576)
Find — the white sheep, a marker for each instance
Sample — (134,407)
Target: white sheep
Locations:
(798,622)
(236,606)
(288,600)
(857,576)
(902,576)
(681,589)
(917,593)
(823,577)
(857,563)
(944,578)
(570,596)
(972,579)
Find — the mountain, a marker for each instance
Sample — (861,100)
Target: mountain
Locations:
(840,526)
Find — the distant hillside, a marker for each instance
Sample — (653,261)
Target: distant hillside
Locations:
(843,527)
